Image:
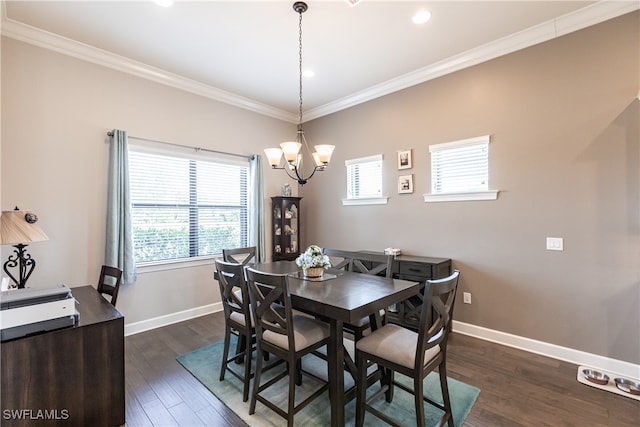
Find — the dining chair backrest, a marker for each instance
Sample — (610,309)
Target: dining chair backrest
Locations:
(437,312)
(233,291)
(372,263)
(265,291)
(109,282)
(242,256)
(340,260)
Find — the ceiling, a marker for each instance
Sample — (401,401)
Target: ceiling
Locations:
(245,53)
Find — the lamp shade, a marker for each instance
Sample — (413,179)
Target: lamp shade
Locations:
(18,226)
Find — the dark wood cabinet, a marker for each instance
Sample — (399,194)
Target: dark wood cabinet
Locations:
(72,376)
(419,269)
(285,233)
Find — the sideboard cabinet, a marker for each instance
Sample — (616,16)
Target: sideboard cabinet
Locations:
(419,269)
(285,233)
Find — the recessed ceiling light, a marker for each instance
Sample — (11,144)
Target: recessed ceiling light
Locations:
(308,73)
(421,17)
(164,3)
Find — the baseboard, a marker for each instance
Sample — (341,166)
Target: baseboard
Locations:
(578,357)
(180,316)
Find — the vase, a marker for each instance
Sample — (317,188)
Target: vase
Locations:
(313,271)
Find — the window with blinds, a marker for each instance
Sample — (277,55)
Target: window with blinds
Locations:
(364,177)
(460,166)
(186,207)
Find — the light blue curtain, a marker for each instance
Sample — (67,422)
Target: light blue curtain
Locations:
(119,240)
(256,208)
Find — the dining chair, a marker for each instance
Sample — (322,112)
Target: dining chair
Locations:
(375,264)
(242,256)
(340,260)
(237,320)
(414,354)
(109,282)
(287,335)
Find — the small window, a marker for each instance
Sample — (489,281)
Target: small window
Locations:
(185,207)
(460,170)
(364,180)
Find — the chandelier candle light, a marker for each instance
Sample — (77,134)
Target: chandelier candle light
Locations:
(313,261)
(292,149)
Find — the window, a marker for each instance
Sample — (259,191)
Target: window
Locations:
(186,206)
(364,181)
(460,170)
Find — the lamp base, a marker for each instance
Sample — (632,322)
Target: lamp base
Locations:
(23,261)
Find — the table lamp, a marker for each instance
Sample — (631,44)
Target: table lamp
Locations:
(18,228)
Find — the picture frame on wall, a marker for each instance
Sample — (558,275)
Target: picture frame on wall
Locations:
(405,184)
(404,159)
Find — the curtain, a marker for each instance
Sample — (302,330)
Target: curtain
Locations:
(119,240)
(256,208)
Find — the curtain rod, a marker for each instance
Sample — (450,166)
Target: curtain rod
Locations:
(110,133)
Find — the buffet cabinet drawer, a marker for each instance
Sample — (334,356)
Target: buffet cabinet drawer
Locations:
(418,271)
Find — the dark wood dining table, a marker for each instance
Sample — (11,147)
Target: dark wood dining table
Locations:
(343,297)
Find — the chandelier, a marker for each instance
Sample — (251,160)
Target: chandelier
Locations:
(292,150)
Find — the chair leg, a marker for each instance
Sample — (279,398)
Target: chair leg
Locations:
(418,393)
(444,387)
(225,352)
(388,380)
(256,386)
(247,367)
(241,345)
(293,380)
(361,388)
(298,375)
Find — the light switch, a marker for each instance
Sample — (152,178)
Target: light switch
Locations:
(555,243)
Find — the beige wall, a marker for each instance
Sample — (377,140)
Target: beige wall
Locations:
(563,119)
(57,111)
(565,154)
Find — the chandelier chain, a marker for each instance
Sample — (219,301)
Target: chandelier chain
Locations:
(300,70)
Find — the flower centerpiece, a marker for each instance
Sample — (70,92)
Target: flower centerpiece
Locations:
(313,261)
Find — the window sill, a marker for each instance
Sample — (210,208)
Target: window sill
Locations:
(460,197)
(370,201)
(176,264)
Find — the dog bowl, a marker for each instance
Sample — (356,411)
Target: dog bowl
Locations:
(628,386)
(595,376)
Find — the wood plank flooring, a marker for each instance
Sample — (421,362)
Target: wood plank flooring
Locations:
(517,388)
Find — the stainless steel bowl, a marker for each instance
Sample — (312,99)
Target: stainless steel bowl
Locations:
(596,376)
(628,386)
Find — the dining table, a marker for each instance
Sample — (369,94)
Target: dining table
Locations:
(340,297)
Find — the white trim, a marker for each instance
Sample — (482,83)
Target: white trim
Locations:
(368,201)
(585,17)
(477,140)
(169,319)
(461,197)
(367,159)
(574,21)
(570,355)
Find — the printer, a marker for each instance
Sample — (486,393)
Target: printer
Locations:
(29,311)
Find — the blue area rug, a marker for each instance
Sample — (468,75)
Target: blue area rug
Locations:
(204,364)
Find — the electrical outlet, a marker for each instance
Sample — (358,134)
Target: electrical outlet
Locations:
(466,297)
(555,243)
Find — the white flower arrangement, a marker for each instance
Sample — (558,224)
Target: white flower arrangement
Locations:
(313,257)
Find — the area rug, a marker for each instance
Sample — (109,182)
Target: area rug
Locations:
(204,365)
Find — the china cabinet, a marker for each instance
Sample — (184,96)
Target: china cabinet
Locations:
(285,233)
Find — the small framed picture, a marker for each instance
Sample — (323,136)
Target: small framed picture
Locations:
(405,184)
(404,159)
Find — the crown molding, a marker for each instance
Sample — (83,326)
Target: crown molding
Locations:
(588,16)
(583,18)
(66,46)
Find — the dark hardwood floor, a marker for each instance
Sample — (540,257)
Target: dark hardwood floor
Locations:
(517,388)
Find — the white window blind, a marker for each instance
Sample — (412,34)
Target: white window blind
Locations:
(186,207)
(460,166)
(364,177)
